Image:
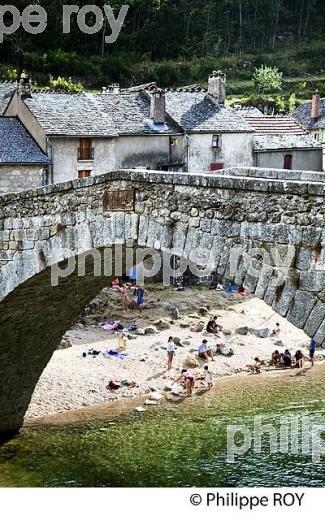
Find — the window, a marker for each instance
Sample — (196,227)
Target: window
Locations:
(217,142)
(217,166)
(287,162)
(85,152)
(83,174)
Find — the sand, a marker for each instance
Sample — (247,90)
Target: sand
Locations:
(71,382)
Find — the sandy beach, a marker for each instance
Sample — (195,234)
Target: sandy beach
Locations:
(72,382)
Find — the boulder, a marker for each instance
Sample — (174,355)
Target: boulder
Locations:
(261,333)
(178,342)
(203,311)
(139,409)
(140,332)
(155,396)
(175,314)
(191,362)
(242,331)
(184,325)
(65,344)
(150,331)
(163,325)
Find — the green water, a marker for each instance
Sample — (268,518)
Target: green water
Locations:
(174,444)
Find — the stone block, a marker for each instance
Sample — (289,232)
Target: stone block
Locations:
(316,318)
(302,307)
(312,281)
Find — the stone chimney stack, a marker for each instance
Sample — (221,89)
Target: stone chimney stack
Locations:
(217,87)
(24,86)
(315,106)
(158,106)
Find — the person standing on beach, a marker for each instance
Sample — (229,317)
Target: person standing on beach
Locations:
(140,292)
(126,300)
(208,378)
(170,353)
(189,381)
(312,351)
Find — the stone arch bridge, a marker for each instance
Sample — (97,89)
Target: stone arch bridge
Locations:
(264,229)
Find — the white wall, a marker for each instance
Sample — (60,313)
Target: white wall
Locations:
(110,154)
(306,160)
(236,150)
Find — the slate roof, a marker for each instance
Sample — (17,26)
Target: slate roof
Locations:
(283,142)
(6,91)
(275,125)
(195,112)
(94,115)
(303,115)
(16,144)
(248,111)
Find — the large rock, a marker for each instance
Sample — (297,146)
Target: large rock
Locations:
(242,331)
(150,331)
(163,325)
(203,311)
(191,362)
(261,333)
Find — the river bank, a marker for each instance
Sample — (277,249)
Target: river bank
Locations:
(73,382)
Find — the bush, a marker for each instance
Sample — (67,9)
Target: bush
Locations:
(65,85)
(267,79)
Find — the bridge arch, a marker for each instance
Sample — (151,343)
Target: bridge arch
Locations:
(265,234)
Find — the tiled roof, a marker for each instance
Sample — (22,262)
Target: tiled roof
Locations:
(17,145)
(282,142)
(94,115)
(275,125)
(6,91)
(303,115)
(195,112)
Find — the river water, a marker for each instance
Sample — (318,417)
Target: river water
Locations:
(178,444)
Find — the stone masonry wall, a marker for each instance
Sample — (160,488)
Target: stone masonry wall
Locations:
(266,234)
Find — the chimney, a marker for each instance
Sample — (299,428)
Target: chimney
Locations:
(315,106)
(217,87)
(24,86)
(158,106)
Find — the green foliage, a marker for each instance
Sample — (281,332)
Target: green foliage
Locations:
(62,84)
(267,79)
(292,103)
(10,74)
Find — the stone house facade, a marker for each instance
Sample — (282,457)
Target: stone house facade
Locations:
(311,115)
(281,143)
(23,165)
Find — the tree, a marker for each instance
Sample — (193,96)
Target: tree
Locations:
(267,79)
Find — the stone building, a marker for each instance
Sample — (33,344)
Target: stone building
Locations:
(188,129)
(215,135)
(23,165)
(86,134)
(281,143)
(311,115)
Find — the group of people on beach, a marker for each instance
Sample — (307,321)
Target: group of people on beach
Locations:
(125,289)
(286,359)
(187,377)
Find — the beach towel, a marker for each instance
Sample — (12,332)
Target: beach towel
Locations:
(115,354)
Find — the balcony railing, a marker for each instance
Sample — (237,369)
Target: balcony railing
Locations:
(86,155)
